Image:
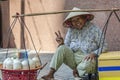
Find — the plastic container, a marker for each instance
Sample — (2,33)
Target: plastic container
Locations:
(109,66)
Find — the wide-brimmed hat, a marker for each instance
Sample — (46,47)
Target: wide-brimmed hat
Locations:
(74,14)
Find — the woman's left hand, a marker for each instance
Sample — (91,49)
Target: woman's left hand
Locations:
(91,56)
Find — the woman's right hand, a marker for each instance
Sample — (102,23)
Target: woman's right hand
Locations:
(59,38)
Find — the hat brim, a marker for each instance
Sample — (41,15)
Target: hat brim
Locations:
(67,22)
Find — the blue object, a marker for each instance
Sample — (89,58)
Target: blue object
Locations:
(23,55)
(109,68)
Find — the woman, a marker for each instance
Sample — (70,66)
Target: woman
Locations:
(80,47)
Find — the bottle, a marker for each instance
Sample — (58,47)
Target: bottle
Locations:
(9,64)
(17,64)
(37,61)
(25,64)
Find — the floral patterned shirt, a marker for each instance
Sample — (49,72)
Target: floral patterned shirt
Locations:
(87,39)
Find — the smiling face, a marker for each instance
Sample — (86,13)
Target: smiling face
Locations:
(78,22)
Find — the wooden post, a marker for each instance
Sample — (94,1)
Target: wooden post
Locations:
(22,41)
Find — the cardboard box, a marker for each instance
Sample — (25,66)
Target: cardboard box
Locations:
(109,66)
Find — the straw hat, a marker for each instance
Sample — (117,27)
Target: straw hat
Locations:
(74,14)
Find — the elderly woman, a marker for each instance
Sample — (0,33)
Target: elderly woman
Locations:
(80,47)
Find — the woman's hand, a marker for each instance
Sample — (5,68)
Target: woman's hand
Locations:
(91,56)
(59,38)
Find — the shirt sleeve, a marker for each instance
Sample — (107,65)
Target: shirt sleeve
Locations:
(67,40)
(101,42)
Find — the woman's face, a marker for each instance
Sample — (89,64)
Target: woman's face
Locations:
(78,22)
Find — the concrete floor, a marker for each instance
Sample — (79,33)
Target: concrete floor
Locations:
(63,73)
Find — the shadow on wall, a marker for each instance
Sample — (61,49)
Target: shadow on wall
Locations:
(5,26)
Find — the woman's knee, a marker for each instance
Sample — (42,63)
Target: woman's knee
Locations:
(63,48)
